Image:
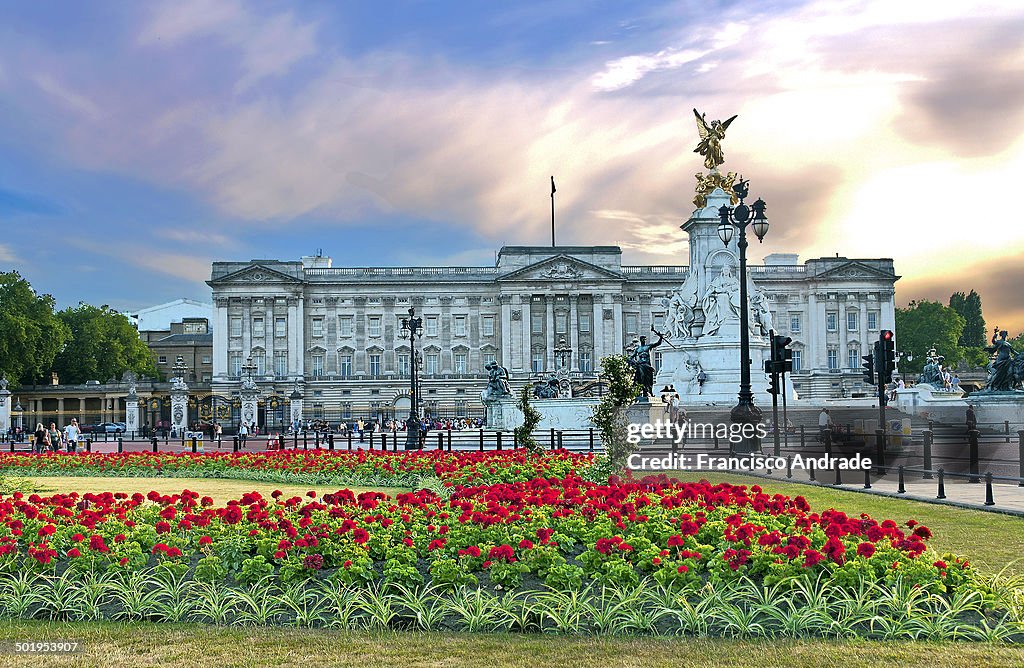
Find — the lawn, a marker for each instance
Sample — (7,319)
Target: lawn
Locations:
(992,541)
(142,645)
(220,489)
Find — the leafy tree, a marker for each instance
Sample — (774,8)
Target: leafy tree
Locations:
(927,324)
(610,414)
(104,344)
(969,308)
(531,418)
(31,335)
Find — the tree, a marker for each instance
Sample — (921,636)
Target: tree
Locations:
(924,325)
(969,308)
(531,418)
(31,334)
(610,414)
(104,344)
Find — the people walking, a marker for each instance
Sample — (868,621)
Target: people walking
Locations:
(55,437)
(243,434)
(40,440)
(72,434)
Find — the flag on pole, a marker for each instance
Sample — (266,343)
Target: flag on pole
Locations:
(552,185)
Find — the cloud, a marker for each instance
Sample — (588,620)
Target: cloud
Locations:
(847,116)
(192,236)
(7,254)
(269,45)
(997,282)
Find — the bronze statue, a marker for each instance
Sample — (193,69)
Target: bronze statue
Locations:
(1006,371)
(711,136)
(643,369)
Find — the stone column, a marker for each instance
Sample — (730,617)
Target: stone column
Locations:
(811,332)
(597,332)
(5,406)
(296,352)
(220,338)
(296,405)
(507,358)
(526,318)
(131,413)
(179,408)
(617,326)
(549,332)
(250,398)
(574,333)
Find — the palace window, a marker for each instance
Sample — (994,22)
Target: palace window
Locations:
(375,364)
(318,365)
(851,321)
(490,357)
(853,358)
(632,323)
(460,362)
(280,327)
(280,363)
(586,365)
(561,322)
(258,329)
(873,321)
(433,363)
(831,321)
(318,327)
(235,363)
(403,363)
(373,326)
(797,360)
(794,324)
(487,325)
(345,364)
(537,363)
(833,359)
(430,328)
(460,325)
(537,323)
(584,322)
(345,327)
(236,327)
(260,358)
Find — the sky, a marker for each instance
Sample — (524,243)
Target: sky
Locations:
(139,142)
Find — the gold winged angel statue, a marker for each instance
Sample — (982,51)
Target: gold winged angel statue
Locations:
(711,136)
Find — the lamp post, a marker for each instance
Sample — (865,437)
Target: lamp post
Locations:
(744,412)
(412,327)
(909,356)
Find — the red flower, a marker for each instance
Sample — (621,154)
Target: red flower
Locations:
(162,527)
(502,553)
(78,538)
(47,530)
(525,544)
(96,543)
(682,568)
(866,550)
(73,552)
(360,536)
(205,540)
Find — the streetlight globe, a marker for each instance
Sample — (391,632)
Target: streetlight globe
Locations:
(725,232)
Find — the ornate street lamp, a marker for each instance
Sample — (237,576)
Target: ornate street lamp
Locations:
(563,353)
(412,327)
(900,356)
(744,412)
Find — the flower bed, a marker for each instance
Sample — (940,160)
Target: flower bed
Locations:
(360,467)
(546,537)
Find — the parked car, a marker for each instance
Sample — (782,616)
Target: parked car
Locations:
(104,428)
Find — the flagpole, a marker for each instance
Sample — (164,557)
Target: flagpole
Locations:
(552,211)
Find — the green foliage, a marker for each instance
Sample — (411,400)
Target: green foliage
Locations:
(211,569)
(31,335)
(927,324)
(103,345)
(531,418)
(609,415)
(969,308)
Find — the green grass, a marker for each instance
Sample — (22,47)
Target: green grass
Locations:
(144,645)
(221,490)
(991,541)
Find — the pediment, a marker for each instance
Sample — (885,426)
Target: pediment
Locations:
(562,268)
(854,271)
(255,273)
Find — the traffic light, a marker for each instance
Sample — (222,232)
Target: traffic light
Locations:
(781,354)
(773,375)
(869,368)
(888,355)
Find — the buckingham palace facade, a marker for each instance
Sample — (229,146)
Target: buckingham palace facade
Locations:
(334,333)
